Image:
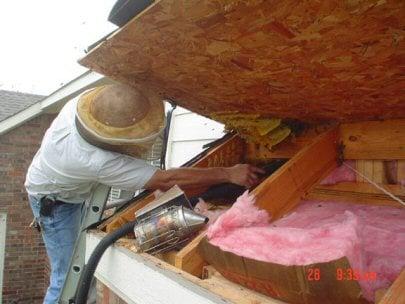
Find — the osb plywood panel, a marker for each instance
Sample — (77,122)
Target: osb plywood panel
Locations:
(310,60)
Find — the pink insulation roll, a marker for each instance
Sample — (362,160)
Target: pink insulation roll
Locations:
(341,174)
(371,237)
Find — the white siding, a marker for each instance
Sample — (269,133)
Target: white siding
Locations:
(188,133)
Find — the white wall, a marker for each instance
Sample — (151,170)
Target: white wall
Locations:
(188,133)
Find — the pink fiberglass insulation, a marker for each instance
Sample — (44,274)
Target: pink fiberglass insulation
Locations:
(341,174)
(204,209)
(371,237)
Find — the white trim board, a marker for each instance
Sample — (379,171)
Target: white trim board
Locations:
(3,228)
(138,280)
(57,99)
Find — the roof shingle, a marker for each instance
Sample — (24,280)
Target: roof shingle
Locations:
(13,102)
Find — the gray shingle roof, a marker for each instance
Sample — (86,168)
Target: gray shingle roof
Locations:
(13,102)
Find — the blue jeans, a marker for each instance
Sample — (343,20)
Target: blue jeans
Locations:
(59,232)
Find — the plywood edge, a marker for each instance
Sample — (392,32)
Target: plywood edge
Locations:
(357,192)
(254,56)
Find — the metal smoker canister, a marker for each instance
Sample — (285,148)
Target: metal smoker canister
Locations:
(167,229)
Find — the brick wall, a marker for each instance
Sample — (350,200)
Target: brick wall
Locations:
(107,296)
(25,266)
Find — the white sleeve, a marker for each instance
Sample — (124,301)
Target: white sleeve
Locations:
(125,172)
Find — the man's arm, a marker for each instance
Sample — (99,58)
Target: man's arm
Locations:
(244,175)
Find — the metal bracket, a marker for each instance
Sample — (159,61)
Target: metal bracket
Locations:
(93,214)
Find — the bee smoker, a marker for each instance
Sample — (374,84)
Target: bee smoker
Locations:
(167,229)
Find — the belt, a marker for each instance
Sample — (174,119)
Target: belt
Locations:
(47,204)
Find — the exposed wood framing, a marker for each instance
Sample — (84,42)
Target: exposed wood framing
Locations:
(189,259)
(379,294)
(372,140)
(401,171)
(243,294)
(396,293)
(143,279)
(228,153)
(283,190)
(287,149)
(363,193)
(372,169)
(126,215)
(297,176)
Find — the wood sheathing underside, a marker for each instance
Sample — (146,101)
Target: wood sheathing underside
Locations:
(312,60)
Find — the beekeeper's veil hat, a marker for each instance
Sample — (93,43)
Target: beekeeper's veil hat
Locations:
(119,118)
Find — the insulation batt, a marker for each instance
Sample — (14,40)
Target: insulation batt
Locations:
(341,174)
(371,237)
(204,209)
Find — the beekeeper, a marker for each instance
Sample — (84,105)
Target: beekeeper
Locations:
(101,137)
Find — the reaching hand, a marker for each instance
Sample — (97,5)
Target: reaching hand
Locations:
(244,175)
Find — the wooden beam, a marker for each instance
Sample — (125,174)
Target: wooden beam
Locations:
(126,215)
(287,149)
(374,139)
(379,294)
(401,171)
(372,169)
(283,190)
(362,193)
(189,259)
(228,153)
(395,294)
(234,292)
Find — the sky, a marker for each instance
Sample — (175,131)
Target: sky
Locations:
(41,41)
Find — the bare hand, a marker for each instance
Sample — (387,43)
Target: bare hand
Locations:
(244,175)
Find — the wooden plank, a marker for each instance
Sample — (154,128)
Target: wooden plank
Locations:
(372,169)
(395,294)
(235,292)
(287,149)
(168,257)
(265,57)
(360,164)
(189,259)
(283,190)
(126,215)
(379,172)
(382,140)
(362,193)
(379,294)
(401,172)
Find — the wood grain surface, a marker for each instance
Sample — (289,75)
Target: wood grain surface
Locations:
(310,60)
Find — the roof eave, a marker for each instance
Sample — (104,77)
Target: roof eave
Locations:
(56,99)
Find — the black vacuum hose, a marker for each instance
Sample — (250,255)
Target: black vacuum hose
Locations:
(90,268)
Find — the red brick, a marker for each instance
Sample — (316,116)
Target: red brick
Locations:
(26,267)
